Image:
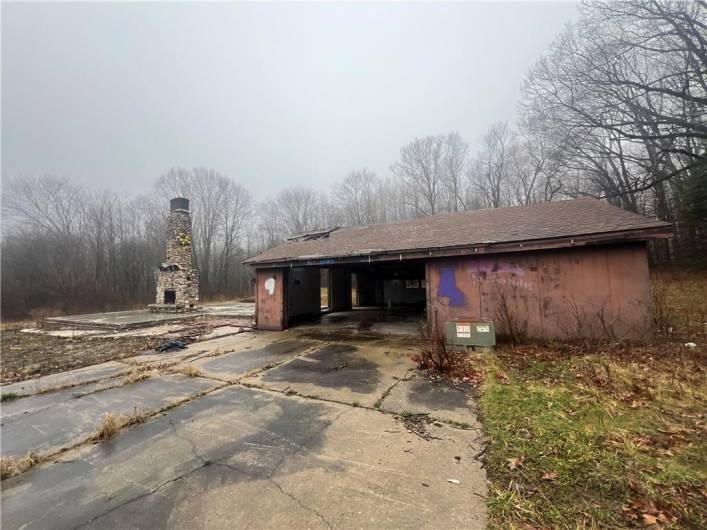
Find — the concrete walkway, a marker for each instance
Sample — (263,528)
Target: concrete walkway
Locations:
(274,430)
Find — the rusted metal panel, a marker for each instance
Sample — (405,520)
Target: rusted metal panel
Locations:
(599,292)
(270,299)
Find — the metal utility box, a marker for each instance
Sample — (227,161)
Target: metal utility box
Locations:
(469,332)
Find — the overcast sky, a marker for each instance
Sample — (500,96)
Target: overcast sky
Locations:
(113,95)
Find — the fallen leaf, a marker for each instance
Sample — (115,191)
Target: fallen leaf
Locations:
(550,475)
(514,463)
(649,519)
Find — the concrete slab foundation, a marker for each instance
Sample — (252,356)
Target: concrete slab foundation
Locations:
(142,317)
(72,377)
(243,458)
(68,421)
(254,356)
(344,372)
(419,395)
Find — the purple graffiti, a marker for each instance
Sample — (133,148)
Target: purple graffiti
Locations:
(448,287)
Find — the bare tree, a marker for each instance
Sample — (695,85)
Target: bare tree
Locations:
(455,161)
(359,197)
(433,170)
(421,169)
(298,209)
(626,84)
(490,170)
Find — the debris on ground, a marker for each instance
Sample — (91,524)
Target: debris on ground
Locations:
(27,355)
(29,352)
(171,345)
(453,481)
(417,424)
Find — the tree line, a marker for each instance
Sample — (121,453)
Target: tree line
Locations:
(615,109)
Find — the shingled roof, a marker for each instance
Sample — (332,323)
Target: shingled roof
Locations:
(486,228)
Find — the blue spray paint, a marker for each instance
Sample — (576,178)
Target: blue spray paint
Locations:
(448,287)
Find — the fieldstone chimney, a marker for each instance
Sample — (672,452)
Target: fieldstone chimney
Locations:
(177,282)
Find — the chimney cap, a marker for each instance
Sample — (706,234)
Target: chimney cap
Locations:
(179,203)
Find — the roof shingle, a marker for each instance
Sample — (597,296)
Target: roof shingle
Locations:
(501,225)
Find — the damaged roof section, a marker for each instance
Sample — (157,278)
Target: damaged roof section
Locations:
(556,224)
(314,235)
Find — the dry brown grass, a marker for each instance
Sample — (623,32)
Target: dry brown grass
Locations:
(108,427)
(111,424)
(680,305)
(137,375)
(10,467)
(136,418)
(191,371)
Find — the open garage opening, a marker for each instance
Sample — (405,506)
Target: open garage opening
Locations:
(381,295)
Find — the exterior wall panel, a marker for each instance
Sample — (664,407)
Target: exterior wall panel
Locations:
(270,299)
(599,292)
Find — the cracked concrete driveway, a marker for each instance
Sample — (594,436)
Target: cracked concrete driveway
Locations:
(279,431)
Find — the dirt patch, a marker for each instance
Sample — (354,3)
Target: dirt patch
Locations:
(417,424)
(27,355)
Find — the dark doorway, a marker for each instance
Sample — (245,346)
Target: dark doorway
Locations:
(170,297)
(354,290)
(324,290)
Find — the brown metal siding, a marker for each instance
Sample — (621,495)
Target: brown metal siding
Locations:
(600,292)
(270,308)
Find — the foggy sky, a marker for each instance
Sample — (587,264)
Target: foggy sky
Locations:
(113,95)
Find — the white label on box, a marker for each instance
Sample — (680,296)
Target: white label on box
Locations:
(485,328)
(464,331)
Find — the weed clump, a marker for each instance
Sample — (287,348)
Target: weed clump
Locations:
(191,371)
(135,376)
(10,467)
(108,427)
(111,424)
(435,355)
(10,396)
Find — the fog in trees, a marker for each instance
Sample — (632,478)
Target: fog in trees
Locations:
(615,110)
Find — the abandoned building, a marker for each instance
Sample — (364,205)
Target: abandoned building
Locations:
(177,281)
(567,269)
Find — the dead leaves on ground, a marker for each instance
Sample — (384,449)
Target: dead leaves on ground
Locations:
(647,513)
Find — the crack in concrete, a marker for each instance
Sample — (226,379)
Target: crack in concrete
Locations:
(204,462)
(388,390)
(142,496)
(300,503)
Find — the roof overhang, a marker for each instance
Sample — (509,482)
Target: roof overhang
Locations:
(604,238)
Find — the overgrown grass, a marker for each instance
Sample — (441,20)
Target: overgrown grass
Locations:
(680,305)
(604,437)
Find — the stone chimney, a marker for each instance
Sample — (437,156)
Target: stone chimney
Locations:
(177,282)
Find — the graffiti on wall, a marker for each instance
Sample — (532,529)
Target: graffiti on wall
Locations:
(448,288)
(270,286)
